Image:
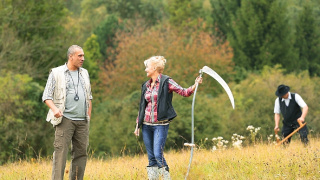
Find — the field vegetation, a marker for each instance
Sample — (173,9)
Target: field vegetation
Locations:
(261,161)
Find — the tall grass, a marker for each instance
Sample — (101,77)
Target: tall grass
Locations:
(260,161)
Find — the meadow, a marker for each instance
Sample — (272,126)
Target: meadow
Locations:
(260,161)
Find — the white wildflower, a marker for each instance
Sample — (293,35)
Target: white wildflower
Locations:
(214,148)
(250,128)
(219,144)
(237,144)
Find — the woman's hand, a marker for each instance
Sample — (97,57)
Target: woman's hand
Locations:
(197,81)
(137,131)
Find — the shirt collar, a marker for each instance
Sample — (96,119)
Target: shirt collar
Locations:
(66,68)
(159,77)
(289,97)
(157,81)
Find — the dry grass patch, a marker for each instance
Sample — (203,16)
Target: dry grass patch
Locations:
(256,162)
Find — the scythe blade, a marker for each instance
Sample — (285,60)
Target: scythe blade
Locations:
(216,76)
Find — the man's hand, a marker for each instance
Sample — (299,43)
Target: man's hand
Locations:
(301,119)
(57,113)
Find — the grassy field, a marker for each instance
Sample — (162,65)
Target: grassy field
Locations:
(255,162)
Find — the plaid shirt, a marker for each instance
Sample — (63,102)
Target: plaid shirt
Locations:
(151,96)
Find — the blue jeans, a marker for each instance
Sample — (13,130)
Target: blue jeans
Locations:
(154,138)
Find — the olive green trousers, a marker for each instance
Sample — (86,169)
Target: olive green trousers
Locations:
(76,133)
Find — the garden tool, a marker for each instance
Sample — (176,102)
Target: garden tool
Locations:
(225,86)
(301,126)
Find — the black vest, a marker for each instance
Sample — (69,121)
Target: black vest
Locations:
(165,109)
(292,112)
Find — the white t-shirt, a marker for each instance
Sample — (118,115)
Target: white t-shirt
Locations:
(298,98)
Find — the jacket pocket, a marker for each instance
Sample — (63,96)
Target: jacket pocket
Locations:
(59,94)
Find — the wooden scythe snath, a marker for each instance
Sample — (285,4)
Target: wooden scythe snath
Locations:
(291,134)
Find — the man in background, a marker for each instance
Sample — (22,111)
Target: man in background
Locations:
(290,105)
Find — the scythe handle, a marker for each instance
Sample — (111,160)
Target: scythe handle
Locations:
(192,145)
(301,126)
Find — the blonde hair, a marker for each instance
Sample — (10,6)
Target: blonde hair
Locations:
(158,61)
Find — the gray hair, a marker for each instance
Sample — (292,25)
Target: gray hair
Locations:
(72,50)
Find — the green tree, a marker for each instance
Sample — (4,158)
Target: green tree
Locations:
(308,40)
(222,13)
(106,33)
(262,35)
(93,63)
(115,122)
(24,132)
(74,6)
(125,9)
(184,14)
(152,11)
(34,30)
(96,13)
(93,57)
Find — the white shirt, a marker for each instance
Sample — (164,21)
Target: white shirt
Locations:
(298,98)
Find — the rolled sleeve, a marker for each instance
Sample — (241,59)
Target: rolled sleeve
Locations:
(173,86)
(49,89)
(90,95)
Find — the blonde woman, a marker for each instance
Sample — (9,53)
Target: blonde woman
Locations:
(156,112)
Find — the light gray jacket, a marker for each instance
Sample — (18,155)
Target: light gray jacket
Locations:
(59,94)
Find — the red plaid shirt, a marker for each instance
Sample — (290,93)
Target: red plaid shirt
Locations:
(151,96)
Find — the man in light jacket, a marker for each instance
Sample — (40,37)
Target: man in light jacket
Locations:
(68,95)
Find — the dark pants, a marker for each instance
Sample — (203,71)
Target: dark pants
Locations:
(66,132)
(154,138)
(288,129)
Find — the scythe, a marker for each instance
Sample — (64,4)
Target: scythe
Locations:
(225,86)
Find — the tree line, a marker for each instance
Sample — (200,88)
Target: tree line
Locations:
(254,45)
